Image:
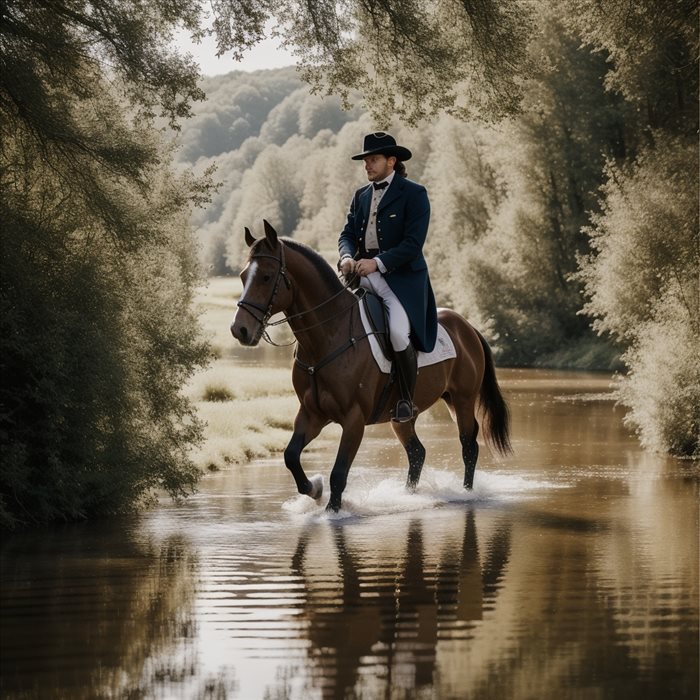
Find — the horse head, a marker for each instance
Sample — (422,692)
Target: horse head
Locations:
(266,286)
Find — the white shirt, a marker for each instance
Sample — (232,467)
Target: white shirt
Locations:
(371,238)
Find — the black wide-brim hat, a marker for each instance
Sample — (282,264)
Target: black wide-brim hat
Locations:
(381,142)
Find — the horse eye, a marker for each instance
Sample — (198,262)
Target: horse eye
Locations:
(266,278)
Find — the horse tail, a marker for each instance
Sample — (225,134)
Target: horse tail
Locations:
(494,406)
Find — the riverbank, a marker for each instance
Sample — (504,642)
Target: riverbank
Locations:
(249,413)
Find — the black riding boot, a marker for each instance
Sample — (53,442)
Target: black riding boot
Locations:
(407,366)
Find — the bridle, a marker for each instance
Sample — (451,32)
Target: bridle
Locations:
(266,312)
(264,321)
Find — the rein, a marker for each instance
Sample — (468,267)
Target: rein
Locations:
(266,313)
(311,370)
(287,319)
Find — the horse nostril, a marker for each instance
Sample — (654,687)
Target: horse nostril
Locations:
(239,332)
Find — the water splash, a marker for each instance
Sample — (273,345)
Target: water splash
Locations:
(369,492)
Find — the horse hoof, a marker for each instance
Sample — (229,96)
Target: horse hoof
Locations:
(316,487)
(411,486)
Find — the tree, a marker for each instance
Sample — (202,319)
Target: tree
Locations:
(97,260)
(643,286)
(652,49)
(548,163)
(642,276)
(464,196)
(270,190)
(407,58)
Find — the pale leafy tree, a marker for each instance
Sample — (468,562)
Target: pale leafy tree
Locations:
(642,281)
(333,177)
(283,121)
(652,50)
(407,58)
(271,190)
(321,214)
(464,196)
(643,284)
(547,166)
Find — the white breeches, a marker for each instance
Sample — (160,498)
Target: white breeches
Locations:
(399,325)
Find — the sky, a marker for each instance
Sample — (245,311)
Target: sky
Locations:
(267,54)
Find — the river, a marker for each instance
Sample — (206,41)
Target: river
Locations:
(570,571)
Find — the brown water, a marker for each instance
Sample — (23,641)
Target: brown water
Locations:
(571,571)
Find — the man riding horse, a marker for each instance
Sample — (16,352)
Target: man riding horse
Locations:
(382,242)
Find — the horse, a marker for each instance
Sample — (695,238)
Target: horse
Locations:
(335,376)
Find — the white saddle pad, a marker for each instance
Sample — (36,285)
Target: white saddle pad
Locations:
(444,347)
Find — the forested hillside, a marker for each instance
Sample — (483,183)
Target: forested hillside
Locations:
(533,235)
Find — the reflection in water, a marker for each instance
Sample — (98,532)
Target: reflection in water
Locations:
(571,571)
(90,612)
(375,633)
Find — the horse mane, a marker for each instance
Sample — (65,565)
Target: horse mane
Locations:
(319,263)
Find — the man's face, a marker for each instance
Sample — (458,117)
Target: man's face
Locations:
(378,166)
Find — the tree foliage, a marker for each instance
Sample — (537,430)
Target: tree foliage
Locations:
(550,163)
(408,59)
(652,52)
(97,261)
(643,286)
(642,279)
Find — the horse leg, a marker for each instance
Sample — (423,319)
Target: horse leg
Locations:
(415,451)
(463,413)
(470,454)
(353,430)
(306,428)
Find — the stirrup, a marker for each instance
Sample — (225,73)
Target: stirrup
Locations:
(404,411)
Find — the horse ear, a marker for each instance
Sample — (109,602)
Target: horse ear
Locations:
(270,233)
(249,237)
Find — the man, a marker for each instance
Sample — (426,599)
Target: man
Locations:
(382,242)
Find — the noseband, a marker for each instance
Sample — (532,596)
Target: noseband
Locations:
(266,312)
(251,306)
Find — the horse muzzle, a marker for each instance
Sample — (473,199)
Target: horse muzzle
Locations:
(246,331)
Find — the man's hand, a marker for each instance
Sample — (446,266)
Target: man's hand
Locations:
(366,267)
(347,267)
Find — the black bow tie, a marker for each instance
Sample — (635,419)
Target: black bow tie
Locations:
(380,185)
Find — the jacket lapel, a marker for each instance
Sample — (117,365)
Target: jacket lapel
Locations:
(394,192)
(365,204)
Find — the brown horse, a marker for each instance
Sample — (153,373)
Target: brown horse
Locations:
(335,375)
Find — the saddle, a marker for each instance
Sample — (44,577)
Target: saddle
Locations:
(378,319)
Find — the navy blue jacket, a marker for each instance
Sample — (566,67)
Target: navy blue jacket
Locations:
(402,226)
